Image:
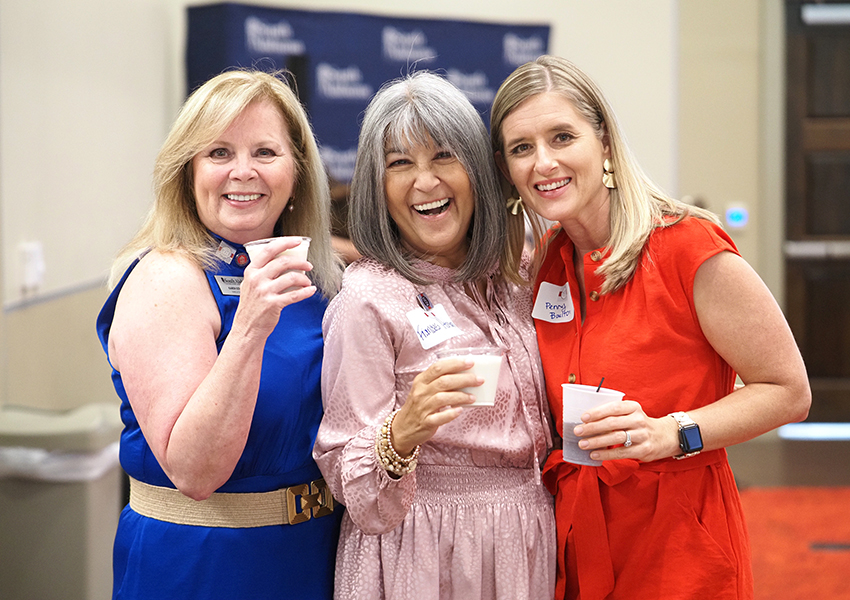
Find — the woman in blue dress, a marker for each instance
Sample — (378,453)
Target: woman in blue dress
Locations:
(217,357)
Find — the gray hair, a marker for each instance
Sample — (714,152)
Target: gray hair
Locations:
(408,111)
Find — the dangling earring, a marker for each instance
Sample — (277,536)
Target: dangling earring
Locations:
(515,205)
(608,179)
(290,206)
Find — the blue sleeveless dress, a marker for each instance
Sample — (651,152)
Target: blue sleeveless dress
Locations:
(156,559)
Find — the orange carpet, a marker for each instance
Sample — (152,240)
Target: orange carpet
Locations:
(800,539)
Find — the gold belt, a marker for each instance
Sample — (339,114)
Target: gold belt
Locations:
(254,509)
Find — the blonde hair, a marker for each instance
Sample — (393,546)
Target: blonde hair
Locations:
(637,205)
(173,224)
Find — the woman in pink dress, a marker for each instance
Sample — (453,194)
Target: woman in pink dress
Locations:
(443,499)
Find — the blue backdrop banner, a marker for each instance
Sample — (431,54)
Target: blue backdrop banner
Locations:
(339,60)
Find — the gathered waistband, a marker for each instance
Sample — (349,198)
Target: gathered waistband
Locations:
(468,485)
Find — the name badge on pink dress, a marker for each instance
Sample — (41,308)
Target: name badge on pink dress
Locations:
(553,303)
(433,326)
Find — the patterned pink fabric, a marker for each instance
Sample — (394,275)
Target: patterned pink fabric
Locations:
(473,520)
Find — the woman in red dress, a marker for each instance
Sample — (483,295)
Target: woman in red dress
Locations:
(657,300)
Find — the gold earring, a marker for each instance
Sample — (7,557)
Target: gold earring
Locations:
(608,179)
(515,204)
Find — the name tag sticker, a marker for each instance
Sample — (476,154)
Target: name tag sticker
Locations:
(432,327)
(228,285)
(553,303)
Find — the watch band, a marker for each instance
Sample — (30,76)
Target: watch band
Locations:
(682,419)
(686,423)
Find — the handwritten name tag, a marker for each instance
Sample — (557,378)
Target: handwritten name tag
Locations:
(432,327)
(553,303)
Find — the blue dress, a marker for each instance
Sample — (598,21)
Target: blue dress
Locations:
(156,559)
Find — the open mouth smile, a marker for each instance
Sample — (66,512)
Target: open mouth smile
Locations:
(432,208)
(548,187)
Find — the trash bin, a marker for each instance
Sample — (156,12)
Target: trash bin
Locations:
(60,498)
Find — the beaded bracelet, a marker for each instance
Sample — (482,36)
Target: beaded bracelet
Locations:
(387,455)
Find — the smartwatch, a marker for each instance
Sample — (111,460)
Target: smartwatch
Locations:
(690,439)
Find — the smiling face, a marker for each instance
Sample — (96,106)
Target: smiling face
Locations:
(430,199)
(244,179)
(554,157)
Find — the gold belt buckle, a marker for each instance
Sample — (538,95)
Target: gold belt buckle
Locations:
(316,501)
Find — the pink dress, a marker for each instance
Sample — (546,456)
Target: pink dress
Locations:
(473,520)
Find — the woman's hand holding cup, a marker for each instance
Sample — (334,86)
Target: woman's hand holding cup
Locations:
(435,398)
(617,430)
(275,278)
(280,257)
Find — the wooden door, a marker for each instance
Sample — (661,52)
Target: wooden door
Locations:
(817,250)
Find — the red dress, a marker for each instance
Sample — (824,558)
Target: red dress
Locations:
(668,529)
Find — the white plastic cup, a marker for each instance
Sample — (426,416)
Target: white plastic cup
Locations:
(578,399)
(487,365)
(299,251)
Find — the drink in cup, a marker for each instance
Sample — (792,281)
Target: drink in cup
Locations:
(488,364)
(578,399)
(299,251)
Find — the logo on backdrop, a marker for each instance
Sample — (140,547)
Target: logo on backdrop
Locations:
(474,85)
(340,59)
(344,84)
(518,51)
(406,47)
(263,38)
(340,163)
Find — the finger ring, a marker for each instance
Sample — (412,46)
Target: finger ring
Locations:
(628,441)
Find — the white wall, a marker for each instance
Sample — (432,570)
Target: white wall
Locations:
(83,103)
(719,90)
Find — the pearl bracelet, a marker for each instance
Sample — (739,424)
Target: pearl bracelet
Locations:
(387,455)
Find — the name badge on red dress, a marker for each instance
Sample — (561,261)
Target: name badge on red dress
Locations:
(553,303)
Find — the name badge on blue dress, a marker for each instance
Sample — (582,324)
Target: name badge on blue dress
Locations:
(229,284)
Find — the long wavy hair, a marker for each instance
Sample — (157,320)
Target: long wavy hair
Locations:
(173,224)
(637,205)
